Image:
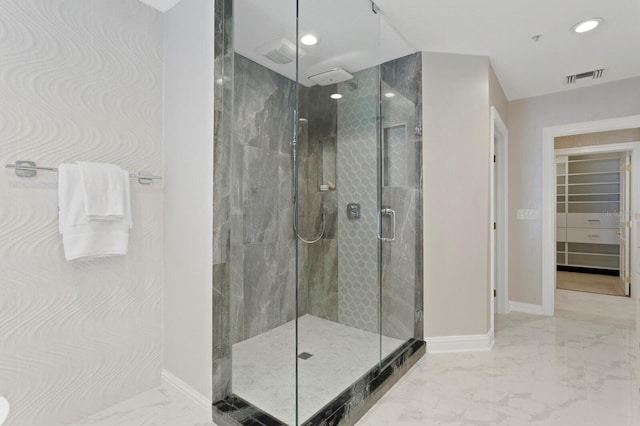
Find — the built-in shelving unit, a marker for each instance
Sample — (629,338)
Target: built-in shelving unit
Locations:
(588,212)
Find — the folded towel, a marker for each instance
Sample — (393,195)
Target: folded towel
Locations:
(83,238)
(103,191)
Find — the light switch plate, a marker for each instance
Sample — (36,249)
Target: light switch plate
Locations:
(527,214)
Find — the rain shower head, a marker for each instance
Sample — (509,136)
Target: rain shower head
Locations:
(336,75)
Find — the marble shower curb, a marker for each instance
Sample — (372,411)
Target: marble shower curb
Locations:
(346,409)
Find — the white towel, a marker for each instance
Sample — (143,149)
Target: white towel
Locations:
(83,238)
(103,190)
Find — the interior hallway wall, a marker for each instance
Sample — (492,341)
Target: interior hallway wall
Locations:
(456,194)
(598,138)
(497,98)
(527,118)
(188,213)
(79,80)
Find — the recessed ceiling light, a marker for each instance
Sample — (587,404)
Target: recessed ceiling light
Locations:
(389,95)
(336,96)
(587,25)
(309,40)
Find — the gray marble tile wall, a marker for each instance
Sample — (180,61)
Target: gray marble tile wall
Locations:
(318,272)
(223,108)
(261,206)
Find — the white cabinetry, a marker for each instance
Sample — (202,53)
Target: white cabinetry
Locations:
(588,211)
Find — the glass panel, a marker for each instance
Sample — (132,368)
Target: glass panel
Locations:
(338,305)
(299,174)
(263,261)
(401,154)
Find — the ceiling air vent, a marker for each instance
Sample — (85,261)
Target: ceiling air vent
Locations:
(594,75)
(280,51)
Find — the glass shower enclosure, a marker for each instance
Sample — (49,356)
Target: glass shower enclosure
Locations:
(317,211)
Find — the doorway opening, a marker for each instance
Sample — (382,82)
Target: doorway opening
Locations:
(499,217)
(549,198)
(592,212)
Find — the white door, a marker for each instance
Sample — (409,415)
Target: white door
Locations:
(625,222)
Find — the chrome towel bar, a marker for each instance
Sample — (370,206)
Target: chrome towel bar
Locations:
(29,169)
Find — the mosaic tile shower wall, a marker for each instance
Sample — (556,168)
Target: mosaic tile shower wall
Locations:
(357,183)
(357,171)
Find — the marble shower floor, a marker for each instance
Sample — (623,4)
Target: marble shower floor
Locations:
(577,368)
(264,366)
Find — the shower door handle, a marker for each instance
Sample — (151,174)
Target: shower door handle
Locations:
(391,213)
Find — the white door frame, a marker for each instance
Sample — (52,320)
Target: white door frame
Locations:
(549,197)
(499,272)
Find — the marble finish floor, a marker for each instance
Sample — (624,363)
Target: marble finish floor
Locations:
(576,368)
(160,406)
(264,366)
(590,283)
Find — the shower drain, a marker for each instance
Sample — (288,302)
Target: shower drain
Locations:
(305,355)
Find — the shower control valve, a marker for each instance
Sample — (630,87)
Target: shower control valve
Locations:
(353,211)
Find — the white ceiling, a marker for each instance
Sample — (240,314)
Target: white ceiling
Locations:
(161,5)
(499,29)
(350,35)
(502,30)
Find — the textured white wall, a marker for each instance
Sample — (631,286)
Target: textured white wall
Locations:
(456,194)
(188,127)
(79,80)
(527,118)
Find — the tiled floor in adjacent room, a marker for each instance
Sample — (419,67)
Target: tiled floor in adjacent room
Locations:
(590,283)
(577,368)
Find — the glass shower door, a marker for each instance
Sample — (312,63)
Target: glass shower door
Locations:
(400,191)
(338,274)
(318,170)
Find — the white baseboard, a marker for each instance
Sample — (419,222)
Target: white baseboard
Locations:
(526,308)
(452,344)
(171,380)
